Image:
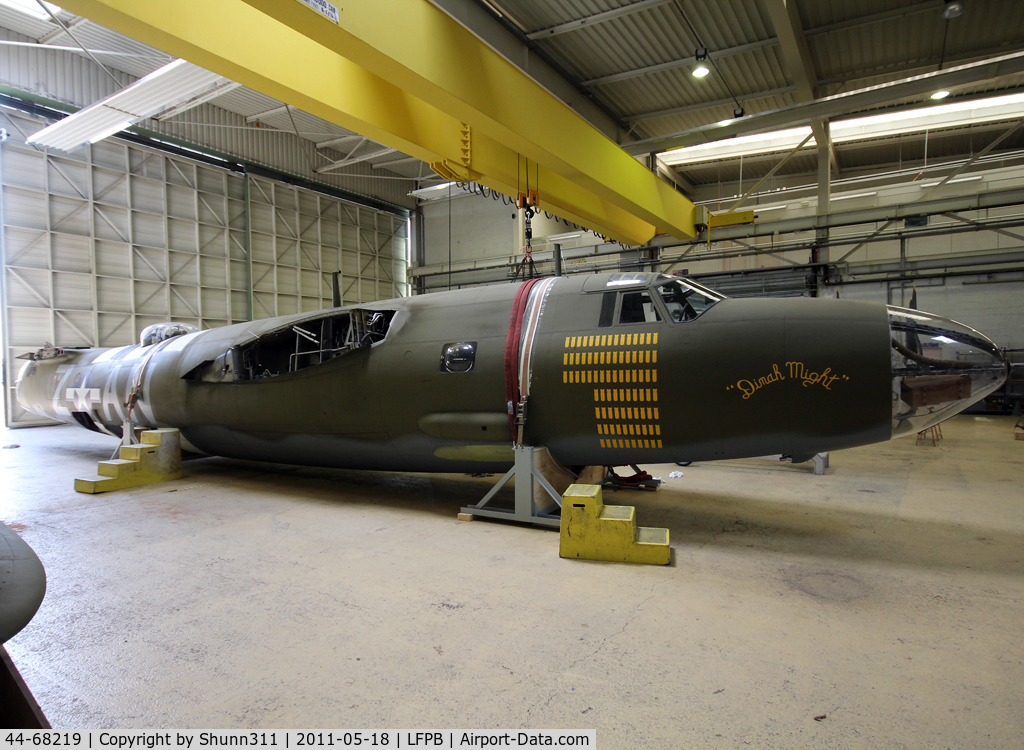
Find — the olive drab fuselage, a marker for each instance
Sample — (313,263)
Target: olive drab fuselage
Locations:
(422,383)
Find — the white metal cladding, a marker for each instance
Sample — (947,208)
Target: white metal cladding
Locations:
(99,243)
(300,237)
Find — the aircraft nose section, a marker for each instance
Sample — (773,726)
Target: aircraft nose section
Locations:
(939,368)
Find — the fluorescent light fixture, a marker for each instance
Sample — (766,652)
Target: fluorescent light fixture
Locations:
(940,94)
(31,7)
(849,196)
(934,117)
(972,178)
(115,127)
(195,101)
(744,145)
(943,339)
(162,89)
(564,236)
(437,192)
(762,209)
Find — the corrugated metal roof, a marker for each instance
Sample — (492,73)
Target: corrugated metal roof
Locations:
(909,38)
(820,13)
(659,36)
(135,59)
(852,43)
(850,46)
(899,45)
(25,24)
(72,78)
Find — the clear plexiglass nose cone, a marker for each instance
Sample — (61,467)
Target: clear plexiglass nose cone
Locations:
(939,368)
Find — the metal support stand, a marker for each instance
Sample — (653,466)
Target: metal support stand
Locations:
(820,461)
(128,437)
(527,508)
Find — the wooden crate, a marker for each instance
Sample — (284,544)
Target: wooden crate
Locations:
(928,390)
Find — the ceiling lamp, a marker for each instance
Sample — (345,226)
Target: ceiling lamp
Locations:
(952,9)
(940,94)
(701,69)
(440,192)
(174,83)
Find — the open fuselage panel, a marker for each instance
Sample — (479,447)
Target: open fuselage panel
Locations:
(296,346)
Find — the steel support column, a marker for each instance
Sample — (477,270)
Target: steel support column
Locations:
(820,254)
(248,248)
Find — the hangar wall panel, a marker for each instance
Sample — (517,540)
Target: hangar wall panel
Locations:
(479,228)
(102,242)
(481,233)
(992,303)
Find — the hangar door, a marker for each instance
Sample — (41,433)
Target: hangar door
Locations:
(100,243)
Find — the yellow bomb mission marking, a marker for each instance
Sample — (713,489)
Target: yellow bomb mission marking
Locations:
(796,371)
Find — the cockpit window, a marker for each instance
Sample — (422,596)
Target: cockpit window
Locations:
(686,300)
(158,332)
(638,307)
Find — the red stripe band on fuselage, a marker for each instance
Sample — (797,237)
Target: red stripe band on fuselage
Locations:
(515,327)
(531,325)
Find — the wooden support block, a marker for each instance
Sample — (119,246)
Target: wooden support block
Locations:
(466,516)
(592,475)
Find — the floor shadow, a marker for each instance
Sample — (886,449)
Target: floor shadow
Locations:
(439,494)
(695,519)
(758,526)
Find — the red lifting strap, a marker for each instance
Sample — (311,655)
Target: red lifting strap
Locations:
(515,328)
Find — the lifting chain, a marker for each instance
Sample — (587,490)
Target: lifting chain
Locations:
(527,202)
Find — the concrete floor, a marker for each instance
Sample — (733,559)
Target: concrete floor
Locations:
(887,595)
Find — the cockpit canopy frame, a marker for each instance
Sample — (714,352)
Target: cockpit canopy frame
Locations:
(649,298)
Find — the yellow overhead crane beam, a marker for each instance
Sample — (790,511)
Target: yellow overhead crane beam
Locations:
(405,74)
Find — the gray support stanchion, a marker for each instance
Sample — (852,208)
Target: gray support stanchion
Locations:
(528,508)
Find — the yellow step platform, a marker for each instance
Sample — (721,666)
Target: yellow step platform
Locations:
(156,459)
(592,530)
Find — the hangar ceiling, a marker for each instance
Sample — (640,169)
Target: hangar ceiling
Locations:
(628,65)
(636,60)
(338,152)
(638,64)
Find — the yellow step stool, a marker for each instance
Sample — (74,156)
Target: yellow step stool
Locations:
(592,530)
(156,459)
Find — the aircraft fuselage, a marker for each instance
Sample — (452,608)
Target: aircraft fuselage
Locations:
(618,369)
